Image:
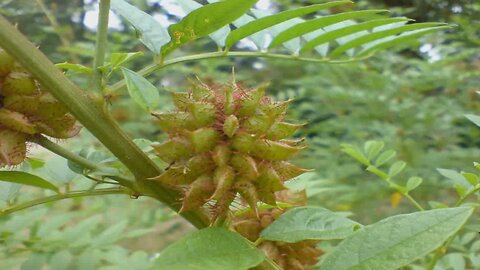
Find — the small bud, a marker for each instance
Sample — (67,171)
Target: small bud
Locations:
(281,130)
(249,104)
(223,179)
(221,155)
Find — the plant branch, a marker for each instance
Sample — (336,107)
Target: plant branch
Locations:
(57,149)
(94,119)
(101,44)
(57,197)
(190,58)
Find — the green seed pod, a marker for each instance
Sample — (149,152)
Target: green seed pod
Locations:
(174,122)
(62,127)
(221,155)
(27,105)
(199,193)
(258,124)
(173,150)
(16,121)
(281,130)
(245,166)
(243,142)
(49,107)
(203,113)
(230,126)
(247,190)
(19,83)
(287,170)
(236,137)
(223,179)
(12,147)
(204,139)
(180,100)
(273,150)
(7,63)
(249,104)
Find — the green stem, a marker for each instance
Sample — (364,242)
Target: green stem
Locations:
(93,118)
(101,44)
(57,149)
(468,194)
(72,194)
(413,201)
(190,58)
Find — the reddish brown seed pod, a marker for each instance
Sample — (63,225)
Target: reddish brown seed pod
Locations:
(243,135)
(25,111)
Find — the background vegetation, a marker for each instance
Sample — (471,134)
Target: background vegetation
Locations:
(413,99)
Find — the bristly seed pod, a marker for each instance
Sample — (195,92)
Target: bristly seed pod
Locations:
(27,110)
(243,135)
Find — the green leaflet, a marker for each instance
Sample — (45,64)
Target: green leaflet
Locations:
(218,36)
(268,21)
(396,241)
(381,34)
(304,223)
(153,34)
(344,31)
(315,24)
(403,38)
(204,21)
(26,179)
(141,90)
(474,119)
(211,248)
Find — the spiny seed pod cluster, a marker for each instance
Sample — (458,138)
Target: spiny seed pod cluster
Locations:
(224,141)
(26,110)
(302,255)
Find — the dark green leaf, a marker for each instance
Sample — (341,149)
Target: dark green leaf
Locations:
(204,21)
(119,59)
(315,24)
(211,248)
(363,40)
(268,21)
(74,67)
(309,223)
(153,34)
(26,179)
(399,39)
(345,31)
(141,90)
(396,241)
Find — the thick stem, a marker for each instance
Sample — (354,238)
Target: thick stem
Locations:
(190,58)
(72,194)
(101,44)
(93,118)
